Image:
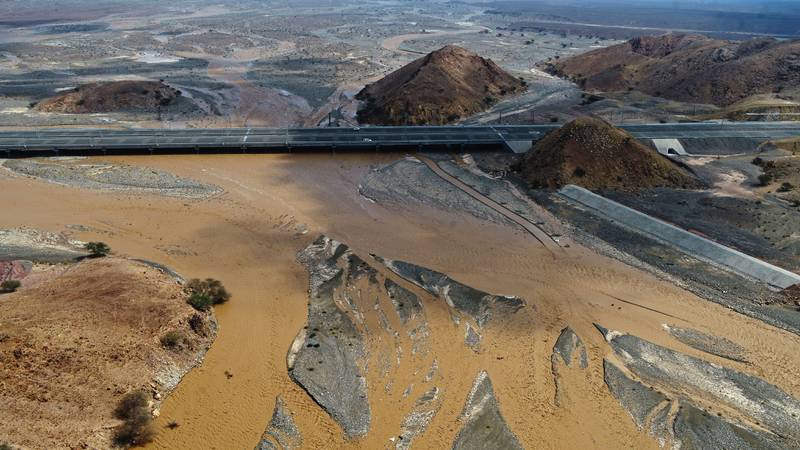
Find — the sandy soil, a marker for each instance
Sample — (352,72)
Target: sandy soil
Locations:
(248,238)
(76,338)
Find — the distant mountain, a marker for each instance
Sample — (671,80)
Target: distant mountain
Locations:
(112,96)
(446,85)
(592,153)
(688,68)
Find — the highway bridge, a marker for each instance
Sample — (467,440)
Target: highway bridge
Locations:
(88,142)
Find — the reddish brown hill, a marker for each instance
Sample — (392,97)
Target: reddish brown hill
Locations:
(591,153)
(689,68)
(112,96)
(439,88)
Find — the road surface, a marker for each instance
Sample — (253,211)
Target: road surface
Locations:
(48,142)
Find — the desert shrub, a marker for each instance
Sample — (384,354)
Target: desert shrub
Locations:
(764,179)
(786,187)
(132,404)
(198,325)
(209,287)
(4,446)
(98,249)
(134,432)
(137,425)
(9,286)
(757,161)
(200,302)
(173,340)
(579,172)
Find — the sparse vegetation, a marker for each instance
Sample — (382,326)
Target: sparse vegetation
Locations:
(786,187)
(200,302)
(211,288)
(764,179)
(98,249)
(173,340)
(137,426)
(7,287)
(198,325)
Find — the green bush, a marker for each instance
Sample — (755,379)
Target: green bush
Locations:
(786,187)
(764,179)
(4,446)
(9,286)
(98,249)
(200,302)
(210,288)
(137,425)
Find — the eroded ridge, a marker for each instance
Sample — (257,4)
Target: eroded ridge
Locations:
(484,426)
(675,396)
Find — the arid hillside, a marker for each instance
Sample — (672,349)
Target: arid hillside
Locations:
(688,68)
(446,85)
(592,153)
(112,96)
(76,338)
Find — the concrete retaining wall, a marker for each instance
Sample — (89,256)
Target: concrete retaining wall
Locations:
(685,241)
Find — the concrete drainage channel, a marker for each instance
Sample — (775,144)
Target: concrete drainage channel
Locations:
(681,239)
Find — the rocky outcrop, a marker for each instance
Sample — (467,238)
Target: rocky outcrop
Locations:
(592,153)
(483,424)
(478,305)
(325,356)
(675,392)
(708,343)
(14,270)
(568,352)
(282,433)
(570,349)
(444,86)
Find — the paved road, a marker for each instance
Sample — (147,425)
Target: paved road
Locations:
(429,138)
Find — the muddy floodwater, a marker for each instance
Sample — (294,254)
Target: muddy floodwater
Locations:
(271,207)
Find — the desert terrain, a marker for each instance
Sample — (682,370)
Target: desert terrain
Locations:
(596,291)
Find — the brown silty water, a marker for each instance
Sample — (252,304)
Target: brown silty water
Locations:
(249,237)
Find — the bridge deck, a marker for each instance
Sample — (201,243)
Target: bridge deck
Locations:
(254,140)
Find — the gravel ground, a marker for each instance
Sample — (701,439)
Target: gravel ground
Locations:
(38,246)
(743,295)
(112,177)
(763,229)
(408,182)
